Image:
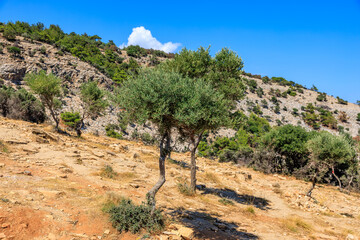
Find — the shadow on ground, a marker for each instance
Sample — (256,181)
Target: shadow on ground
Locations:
(207,226)
(246,199)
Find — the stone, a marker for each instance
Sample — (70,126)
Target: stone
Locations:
(12,72)
(51,193)
(2,236)
(5,225)
(186,233)
(107,231)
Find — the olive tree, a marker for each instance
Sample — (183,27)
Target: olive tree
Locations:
(169,101)
(202,108)
(48,87)
(330,153)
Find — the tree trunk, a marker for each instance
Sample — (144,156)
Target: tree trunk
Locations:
(195,144)
(193,170)
(52,113)
(312,187)
(333,172)
(164,151)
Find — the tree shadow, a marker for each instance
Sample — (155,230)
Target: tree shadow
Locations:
(246,199)
(179,163)
(207,226)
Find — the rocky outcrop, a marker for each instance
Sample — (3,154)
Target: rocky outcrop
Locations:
(12,71)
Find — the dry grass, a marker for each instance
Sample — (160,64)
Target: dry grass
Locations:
(3,147)
(211,177)
(185,189)
(296,224)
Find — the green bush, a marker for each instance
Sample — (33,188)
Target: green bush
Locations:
(358,117)
(341,101)
(15,51)
(111,131)
(72,120)
(21,104)
(136,51)
(129,217)
(288,141)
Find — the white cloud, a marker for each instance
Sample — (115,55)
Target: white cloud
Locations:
(143,37)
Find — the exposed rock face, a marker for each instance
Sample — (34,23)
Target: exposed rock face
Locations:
(12,71)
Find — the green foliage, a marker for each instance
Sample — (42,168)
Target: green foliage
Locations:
(321,97)
(111,131)
(290,142)
(9,33)
(358,117)
(341,101)
(108,172)
(169,100)
(313,88)
(266,80)
(129,217)
(331,152)
(21,104)
(136,51)
(49,90)
(185,189)
(72,120)
(93,99)
(277,109)
(15,51)
(222,71)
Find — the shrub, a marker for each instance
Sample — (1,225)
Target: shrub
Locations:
(321,97)
(3,147)
(185,189)
(72,120)
(358,117)
(15,51)
(288,141)
(21,104)
(43,50)
(277,109)
(295,112)
(341,101)
(266,79)
(343,117)
(128,217)
(111,131)
(136,51)
(147,139)
(1,50)
(264,103)
(108,172)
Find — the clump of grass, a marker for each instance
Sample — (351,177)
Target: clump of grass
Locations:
(123,175)
(185,189)
(108,172)
(250,210)
(3,147)
(79,161)
(127,216)
(211,177)
(226,201)
(296,224)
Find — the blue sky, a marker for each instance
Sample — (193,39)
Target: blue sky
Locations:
(308,41)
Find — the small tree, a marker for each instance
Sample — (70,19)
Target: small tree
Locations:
(48,87)
(329,152)
(72,120)
(93,104)
(154,96)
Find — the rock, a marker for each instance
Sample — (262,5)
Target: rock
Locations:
(351,237)
(63,176)
(2,236)
(12,72)
(5,225)
(186,233)
(2,165)
(51,193)
(134,185)
(107,231)
(16,142)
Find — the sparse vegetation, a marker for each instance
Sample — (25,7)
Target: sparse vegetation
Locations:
(127,216)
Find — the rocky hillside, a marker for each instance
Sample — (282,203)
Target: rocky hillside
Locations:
(271,103)
(54,187)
